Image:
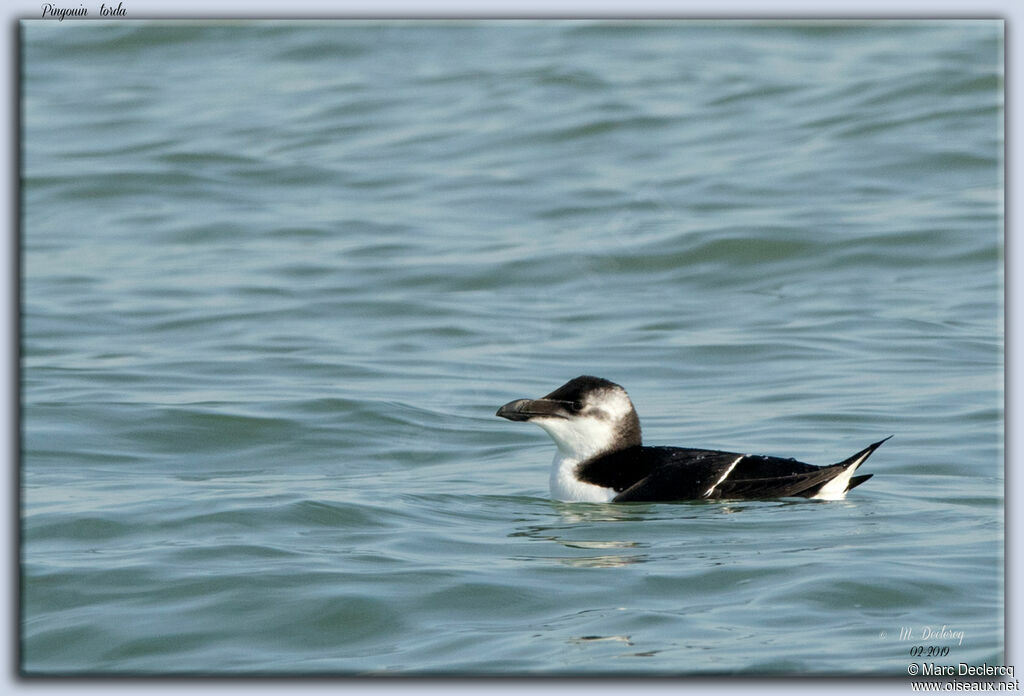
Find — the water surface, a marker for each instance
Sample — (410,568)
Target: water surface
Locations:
(278,276)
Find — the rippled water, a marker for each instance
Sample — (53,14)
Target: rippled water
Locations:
(278,276)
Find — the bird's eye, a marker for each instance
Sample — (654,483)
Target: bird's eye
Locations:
(576,406)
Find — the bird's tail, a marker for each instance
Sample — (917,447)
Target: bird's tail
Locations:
(836,488)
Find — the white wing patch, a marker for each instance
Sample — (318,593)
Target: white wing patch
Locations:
(708,492)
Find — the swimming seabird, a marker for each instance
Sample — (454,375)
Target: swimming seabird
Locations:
(601,458)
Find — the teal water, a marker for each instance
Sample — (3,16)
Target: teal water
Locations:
(277,277)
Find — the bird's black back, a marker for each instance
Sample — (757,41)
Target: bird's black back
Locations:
(655,474)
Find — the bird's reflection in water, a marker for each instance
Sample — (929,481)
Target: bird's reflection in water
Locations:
(577,520)
(569,534)
(581,640)
(579,524)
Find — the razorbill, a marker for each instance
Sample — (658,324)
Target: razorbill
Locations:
(601,458)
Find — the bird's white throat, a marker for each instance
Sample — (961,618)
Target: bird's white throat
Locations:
(565,486)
